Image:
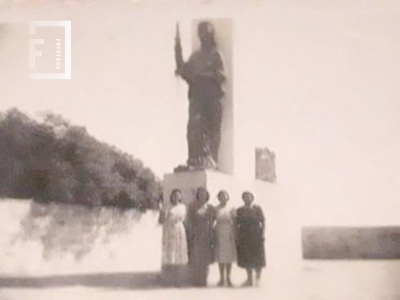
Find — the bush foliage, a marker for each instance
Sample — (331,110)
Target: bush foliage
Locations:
(56,161)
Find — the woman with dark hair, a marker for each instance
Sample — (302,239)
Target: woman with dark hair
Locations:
(174,241)
(225,244)
(204,73)
(200,237)
(250,229)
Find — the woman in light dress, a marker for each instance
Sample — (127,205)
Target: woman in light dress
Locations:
(174,242)
(225,248)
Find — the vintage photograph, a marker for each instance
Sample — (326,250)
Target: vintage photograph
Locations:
(190,149)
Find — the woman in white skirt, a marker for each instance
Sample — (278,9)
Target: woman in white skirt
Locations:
(225,250)
(174,242)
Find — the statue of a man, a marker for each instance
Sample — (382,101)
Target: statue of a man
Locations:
(204,73)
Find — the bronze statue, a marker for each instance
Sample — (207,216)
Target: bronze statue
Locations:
(204,73)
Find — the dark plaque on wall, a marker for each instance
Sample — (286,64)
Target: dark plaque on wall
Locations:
(265,165)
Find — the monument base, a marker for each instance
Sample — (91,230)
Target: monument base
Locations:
(214,181)
(189,182)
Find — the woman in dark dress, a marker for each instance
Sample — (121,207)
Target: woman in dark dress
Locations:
(250,230)
(200,236)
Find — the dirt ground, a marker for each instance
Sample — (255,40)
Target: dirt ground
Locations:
(344,280)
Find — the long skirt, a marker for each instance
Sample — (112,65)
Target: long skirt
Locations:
(174,245)
(225,248)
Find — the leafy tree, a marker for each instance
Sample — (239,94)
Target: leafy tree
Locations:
(54,161)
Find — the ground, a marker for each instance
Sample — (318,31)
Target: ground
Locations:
(318,280)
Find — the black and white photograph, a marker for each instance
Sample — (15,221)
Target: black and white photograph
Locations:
(194,149)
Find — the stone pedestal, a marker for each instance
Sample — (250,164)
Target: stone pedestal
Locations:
(189,182)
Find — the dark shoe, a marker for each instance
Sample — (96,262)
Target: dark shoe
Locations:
(221,283)
(247,283)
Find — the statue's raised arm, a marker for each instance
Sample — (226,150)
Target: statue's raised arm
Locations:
(178,52)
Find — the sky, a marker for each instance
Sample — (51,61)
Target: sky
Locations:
(314,81)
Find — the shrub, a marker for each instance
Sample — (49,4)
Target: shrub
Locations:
(56,161)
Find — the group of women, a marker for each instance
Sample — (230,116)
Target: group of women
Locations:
(200,234)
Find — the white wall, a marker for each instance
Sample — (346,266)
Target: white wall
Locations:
(315,81)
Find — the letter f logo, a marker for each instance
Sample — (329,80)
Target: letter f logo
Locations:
(33,52)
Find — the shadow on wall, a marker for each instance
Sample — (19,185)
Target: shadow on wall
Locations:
(74,229)
(54,239)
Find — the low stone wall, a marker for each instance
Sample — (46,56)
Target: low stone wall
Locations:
(351,242)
